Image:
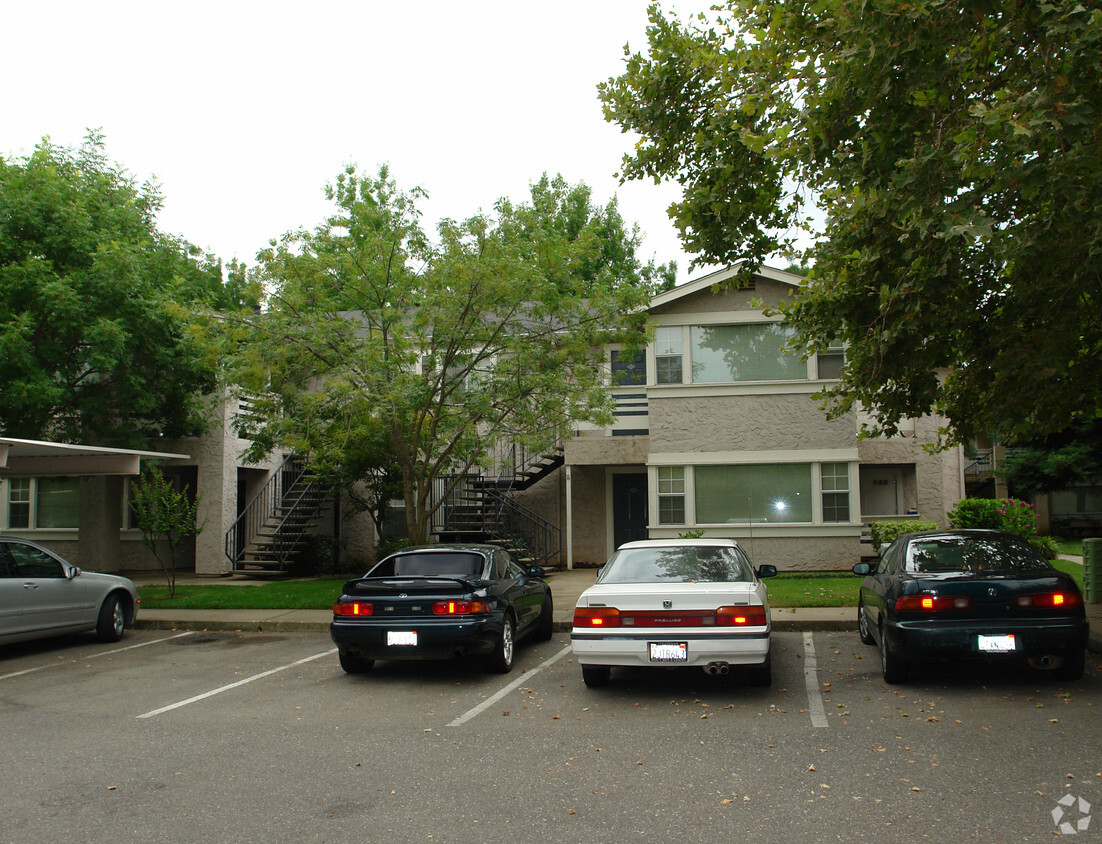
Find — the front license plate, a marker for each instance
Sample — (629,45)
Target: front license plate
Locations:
(401,637)
(669,652)
(998,644)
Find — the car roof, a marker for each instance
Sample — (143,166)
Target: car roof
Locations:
(448,548)
(679,543)
(964,533)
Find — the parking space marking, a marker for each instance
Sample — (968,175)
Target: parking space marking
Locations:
(498,695)
(96,656)
(811,678)
(221,689)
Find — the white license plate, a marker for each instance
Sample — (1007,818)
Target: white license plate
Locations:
(998,644)
(401,637)
(669,652)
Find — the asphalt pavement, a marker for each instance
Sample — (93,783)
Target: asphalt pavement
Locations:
(566,587)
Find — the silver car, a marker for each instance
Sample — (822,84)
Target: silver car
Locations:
(42,595)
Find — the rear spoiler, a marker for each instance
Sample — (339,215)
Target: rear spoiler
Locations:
(394,585)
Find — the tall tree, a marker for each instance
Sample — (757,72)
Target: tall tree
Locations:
(437,349)
(953,148)
(94,343)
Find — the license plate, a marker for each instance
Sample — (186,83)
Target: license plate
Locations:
(401,637)
(997,644)
(669,652)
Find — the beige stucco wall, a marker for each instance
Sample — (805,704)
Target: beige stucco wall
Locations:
(589,510)
(767,292)
(595,449)
(744,423)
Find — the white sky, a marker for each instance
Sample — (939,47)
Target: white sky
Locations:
(243,111)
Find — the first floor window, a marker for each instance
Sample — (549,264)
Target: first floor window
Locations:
(835,483)
(19,503)
(671,495)
(58,503)
(753,494)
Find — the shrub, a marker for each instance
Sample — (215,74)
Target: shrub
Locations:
(888,531)
(996,514)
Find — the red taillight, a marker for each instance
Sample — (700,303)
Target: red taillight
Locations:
(752,616)
(596,617)
(932,603)
(458,607)
(1049,600)
(353,608)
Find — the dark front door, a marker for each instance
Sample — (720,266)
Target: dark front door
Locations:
(629,508)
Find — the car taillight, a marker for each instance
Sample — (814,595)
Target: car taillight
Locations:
(458,607)
(1049,600)
(932,603)
(353,608)
(596,617)
(751,616)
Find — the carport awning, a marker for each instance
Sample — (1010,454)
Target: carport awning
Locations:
(35,458)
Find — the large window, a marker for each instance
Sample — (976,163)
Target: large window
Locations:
(43,503)
(671,495)
(752,352)
(753,494)
(668,346)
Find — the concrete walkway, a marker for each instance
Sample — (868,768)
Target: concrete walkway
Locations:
(566,587)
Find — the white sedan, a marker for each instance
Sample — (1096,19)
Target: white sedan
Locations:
(675,602)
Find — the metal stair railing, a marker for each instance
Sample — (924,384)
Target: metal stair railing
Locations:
(514,521)
(271,501)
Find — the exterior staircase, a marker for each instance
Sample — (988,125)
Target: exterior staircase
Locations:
(275,524)
(482,509)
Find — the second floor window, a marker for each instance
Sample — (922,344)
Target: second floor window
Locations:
(667,354)
(749,352)
(629,372)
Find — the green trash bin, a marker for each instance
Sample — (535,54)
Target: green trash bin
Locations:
(1092,570)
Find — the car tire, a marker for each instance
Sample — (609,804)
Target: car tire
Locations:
(863,626)
(545,627)
(501,660)
(112,620)
(1072,668)
(762,675)
(895,668)
(355,664)
(595,676)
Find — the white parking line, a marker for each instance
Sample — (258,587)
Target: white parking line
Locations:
(494,698)
(95,656)
(811,678)
(221,689)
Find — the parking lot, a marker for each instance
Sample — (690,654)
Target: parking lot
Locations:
(188,736)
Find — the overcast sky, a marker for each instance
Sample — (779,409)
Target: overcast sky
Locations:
(243,111)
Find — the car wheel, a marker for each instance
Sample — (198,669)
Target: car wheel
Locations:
(545,628)
(596,676)
(356,665)
(112,620)
(863,626)
(762,675)
(501,660)
(893,665)
(1074,662)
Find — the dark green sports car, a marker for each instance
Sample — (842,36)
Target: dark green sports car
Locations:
(970,594)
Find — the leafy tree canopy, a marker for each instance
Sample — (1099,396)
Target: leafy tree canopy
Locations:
(954,150)
(94,302)
(1059,460)
(381,345)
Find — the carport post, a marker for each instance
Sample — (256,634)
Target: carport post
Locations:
(569,519)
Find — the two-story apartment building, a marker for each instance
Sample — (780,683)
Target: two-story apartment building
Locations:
(717,432)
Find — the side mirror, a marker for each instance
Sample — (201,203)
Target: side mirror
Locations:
(536,571)
(767,571)
(74,571)
(862,569)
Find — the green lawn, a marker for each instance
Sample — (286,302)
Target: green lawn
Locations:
(795,589)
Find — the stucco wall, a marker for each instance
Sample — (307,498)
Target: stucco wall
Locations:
(589,510)
(744,423)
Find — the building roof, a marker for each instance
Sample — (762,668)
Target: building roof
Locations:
(37,458)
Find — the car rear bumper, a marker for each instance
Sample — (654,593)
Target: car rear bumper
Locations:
(367,639)
(943,639)
(750,647)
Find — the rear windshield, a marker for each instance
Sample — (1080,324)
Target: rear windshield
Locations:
(430,565)
(683,564)
(986,555)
